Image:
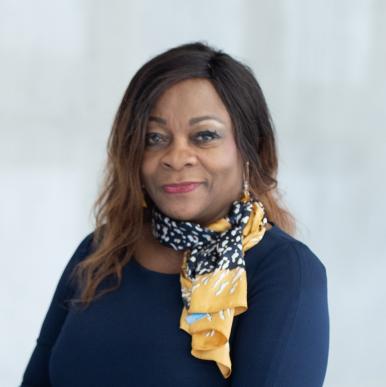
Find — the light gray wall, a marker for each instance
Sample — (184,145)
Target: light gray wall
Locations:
(64,67)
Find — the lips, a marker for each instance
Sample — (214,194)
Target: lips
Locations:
(181,187)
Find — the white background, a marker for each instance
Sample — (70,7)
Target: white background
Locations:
(64,66)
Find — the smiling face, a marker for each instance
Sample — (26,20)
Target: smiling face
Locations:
(190,139)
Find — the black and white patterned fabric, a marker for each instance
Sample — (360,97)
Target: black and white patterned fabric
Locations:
(209,250)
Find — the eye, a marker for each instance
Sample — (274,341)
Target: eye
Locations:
(206,136)
(153,138)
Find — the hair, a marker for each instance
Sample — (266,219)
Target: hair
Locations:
(118,211)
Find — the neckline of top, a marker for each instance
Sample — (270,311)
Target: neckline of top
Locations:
(170,275)
(153,272)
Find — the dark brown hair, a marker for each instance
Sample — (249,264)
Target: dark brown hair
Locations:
(118,211)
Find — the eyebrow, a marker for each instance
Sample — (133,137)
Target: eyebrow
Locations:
(192,121)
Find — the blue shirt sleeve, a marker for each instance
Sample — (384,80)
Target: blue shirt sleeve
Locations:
(36,372)
(283,338)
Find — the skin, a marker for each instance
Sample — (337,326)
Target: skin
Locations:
(178,151)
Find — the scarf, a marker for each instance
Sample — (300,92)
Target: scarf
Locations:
(213,277)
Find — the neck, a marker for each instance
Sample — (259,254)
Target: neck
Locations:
(148,247)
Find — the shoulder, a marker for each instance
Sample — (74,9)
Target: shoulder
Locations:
(281,257)
(84,247)
(82,250)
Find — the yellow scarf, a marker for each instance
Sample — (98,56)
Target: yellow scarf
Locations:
(221,295)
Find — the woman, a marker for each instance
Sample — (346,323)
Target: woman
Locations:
(192,276)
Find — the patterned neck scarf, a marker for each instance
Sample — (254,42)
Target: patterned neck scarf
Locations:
(213,277)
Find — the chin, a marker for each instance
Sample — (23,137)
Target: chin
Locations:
(183,213)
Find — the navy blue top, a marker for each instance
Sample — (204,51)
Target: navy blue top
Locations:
(131,337)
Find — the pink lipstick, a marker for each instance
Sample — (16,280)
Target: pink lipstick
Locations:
(180,188)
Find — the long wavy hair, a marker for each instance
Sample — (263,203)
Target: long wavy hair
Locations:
(118,212)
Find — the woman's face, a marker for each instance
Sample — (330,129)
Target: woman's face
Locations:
(184,145)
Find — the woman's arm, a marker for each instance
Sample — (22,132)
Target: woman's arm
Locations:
(36,372)
(282,340)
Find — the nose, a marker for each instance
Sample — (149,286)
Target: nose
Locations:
(178,156)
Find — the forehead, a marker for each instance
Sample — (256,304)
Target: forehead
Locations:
(191,98)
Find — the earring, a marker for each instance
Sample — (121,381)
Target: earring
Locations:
(144,204)
(246,195)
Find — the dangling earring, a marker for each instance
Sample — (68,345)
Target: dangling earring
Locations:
(246,195)
(144,204)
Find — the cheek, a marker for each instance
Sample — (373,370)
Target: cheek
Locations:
(230,156)
(147,169)
(225,163)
